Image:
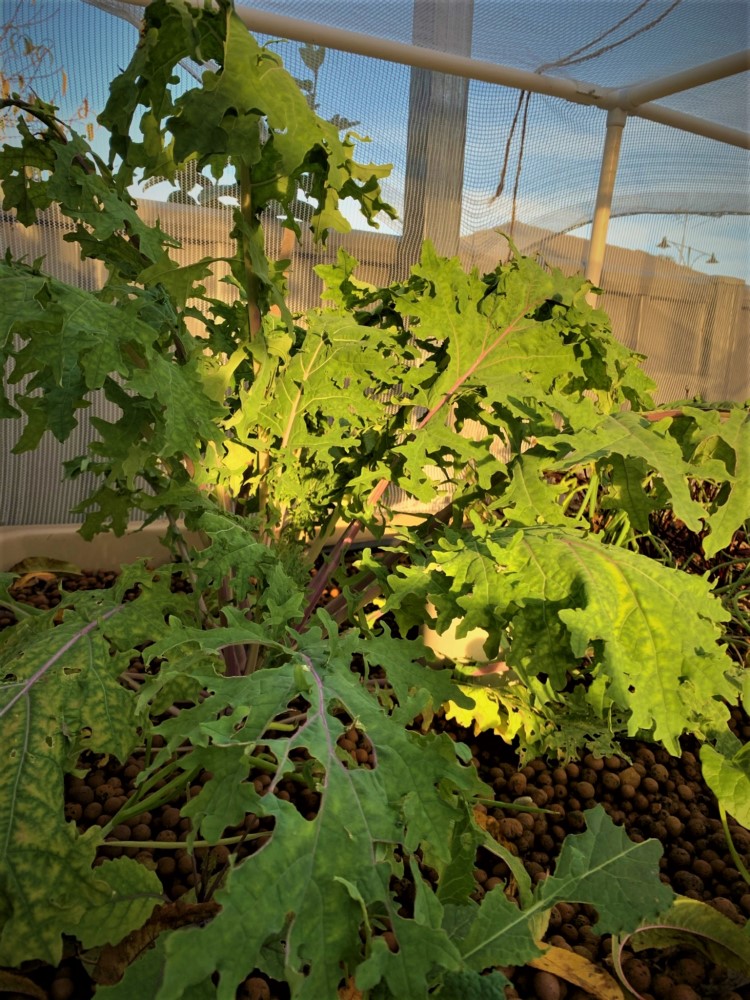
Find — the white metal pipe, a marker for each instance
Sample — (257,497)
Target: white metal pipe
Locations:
(691,123)
(696,76)
(445,62)
(416,55)
(616,119)
(281,26)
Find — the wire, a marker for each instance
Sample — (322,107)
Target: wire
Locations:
(594,41)
(569,61)
(574,58)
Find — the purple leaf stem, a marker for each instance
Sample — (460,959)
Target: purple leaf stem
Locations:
(322,578)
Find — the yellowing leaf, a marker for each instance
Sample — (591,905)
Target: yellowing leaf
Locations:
(483,716)
(59,695)
(560,602)
(580,971)
(43,564)
(695,924)
(729,780)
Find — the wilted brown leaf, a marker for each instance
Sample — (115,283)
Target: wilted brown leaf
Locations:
(114,959)
(349,992)
(44,567)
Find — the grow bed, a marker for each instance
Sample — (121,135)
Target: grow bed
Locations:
(648,792)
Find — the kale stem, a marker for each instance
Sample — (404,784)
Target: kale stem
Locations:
(159,797)
(174,845)
(520,806)
(732,849)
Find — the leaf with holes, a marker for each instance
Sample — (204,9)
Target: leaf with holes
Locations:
(408,796)
(601,867)
(52,707)
(604,868)
(530,498)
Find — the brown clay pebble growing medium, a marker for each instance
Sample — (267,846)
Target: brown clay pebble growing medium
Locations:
(536,839)
(696,856)
(650,794)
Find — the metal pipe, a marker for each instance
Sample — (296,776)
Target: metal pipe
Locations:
(616,119)
(651,90)
(281,26)
(576,91)
(690,123)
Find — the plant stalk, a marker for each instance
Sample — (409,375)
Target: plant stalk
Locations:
(175,845)
(741,867)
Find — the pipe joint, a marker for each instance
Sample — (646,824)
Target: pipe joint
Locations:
(616,118)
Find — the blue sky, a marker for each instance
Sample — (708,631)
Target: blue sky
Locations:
(563,142)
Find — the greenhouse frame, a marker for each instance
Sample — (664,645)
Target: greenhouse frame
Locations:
(657,136)
(375,499)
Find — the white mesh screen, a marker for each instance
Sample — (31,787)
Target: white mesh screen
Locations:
(447,139)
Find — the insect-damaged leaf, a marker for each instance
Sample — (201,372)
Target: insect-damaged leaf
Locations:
(604,868)
(551,596)
(601,867)
(318,873)
(59,695)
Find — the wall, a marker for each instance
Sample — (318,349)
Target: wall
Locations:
(693,327)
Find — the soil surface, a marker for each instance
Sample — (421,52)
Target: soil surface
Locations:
(648,792)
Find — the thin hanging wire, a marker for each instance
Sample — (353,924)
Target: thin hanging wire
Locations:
(525,97)
(572,59)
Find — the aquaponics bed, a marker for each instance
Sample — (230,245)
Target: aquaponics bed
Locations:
(694,952)
(243,773)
